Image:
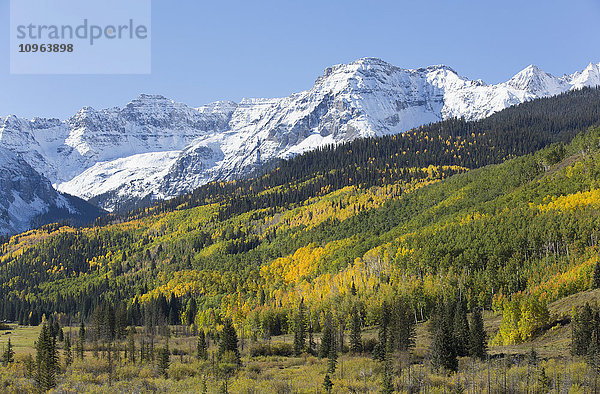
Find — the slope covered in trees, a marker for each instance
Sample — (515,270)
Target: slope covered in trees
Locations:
(513,132)
(509,237)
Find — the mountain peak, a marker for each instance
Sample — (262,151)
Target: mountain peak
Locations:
(536,81)
(371,61)
(150,97)
(589,76)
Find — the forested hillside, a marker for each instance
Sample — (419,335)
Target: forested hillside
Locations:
(490,230)
(513,132)
(345,232)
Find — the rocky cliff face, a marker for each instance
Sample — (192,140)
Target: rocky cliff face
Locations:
(156,148)
(28,199)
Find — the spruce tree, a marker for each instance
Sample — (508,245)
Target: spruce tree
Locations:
(384,337)
(355,333)
(332,360)
(46,359)
(82,331)
(443,354)
(163,360)
(229,340)
(596,277)
(477,336)
(387,384)
(190,312)
(327,384)
(131,345)
(81,341)
(582,328)
(404,326)
(461,330)
(327,337)
(8,356)
(201,347)
(68,353)
(300,329)
(311,340)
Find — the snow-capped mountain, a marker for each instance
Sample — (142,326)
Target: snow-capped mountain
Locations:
(157,148)
(28,199)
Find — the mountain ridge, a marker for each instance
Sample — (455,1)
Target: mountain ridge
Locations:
(96,152)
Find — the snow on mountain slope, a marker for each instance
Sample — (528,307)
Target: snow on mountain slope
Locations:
(28,199)
(157,148)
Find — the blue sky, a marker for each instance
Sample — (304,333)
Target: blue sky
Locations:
(224,50)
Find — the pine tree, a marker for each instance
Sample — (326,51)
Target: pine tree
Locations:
(477,336)
(384,335)
(443,354)
(300,329)
(68,353)
(229,340)
(81,341)
(404,326)
(387,384)
(327,384)
(190,312)
(332,360)
(355,333)
(582,328)
(596,277)
(327,337)
(532,357)
(46,359)
(8,356)
(461,330)
(202,349)
(311,340)
(82,332)
(163,360)
(543,381)
(131,345)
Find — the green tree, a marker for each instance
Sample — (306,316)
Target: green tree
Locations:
(327,337)
(384,335)
(403,326)
(163,360)
(300,329)
(461,330)
(46,359)
(355,333)
(543,381)
(201,346)
(8,356)
(131,345)
(327,383)
(582,328)
(229,341)
(477,336)
(443,355)
(332,360)
(67,350)
(387,383)
(190,311)
(596,277)
(81,341)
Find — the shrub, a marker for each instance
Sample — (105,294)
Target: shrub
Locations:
(282,349)
(369,345)
(260,349)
